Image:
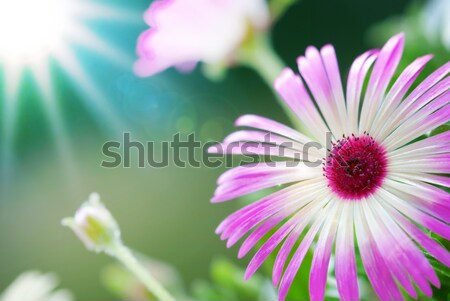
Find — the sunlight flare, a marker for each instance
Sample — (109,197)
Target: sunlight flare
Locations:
(32,35)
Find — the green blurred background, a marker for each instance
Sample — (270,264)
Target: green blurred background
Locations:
(164,213)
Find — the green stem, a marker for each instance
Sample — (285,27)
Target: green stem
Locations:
(124,255)
(260,56)
(264,60)
(279,7)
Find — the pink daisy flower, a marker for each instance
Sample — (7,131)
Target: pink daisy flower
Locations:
(184,32)
(377,190)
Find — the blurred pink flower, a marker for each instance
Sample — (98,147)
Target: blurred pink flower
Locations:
(184,32)
(380,181)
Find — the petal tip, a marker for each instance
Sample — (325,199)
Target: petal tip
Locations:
(248,274)
(214,149)
(327,49)
(399,38)
(230,243)
(286,73)
(141,69)
(242,251)
(156,6)
(242,120)
(302,62)
(311,51)
(215,199)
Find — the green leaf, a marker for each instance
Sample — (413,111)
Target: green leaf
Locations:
(226,274)
(439,130)
(279,7)
(227,283)
(205,291)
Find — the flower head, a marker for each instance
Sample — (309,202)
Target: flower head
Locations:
(94,225)
(184,32)
(379,179)
(355,167)
(35,286)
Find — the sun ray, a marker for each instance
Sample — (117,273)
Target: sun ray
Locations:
(94,98)
(90,10)
(41,73)
(12,78)
(89,39)
(56,36)
(12,75)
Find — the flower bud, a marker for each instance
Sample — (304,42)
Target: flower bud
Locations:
(94,225)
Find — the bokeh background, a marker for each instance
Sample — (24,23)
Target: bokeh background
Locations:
(164,213)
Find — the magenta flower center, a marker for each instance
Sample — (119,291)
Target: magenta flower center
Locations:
(355,167)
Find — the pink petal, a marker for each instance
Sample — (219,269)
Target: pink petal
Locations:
(425,85)
(355,81)
(409,256)
(306,199)
(374,264)
(420,217)
(394,248)
(433,86)
(268,178)
(398,91)
(299,254)
(269,246)
(292,90)
(276,197)
(274,139)
(330,64)
(345,265)
(269,125)
(208,31)
(434,248)
(313,72)
(382,72)
(322,255)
